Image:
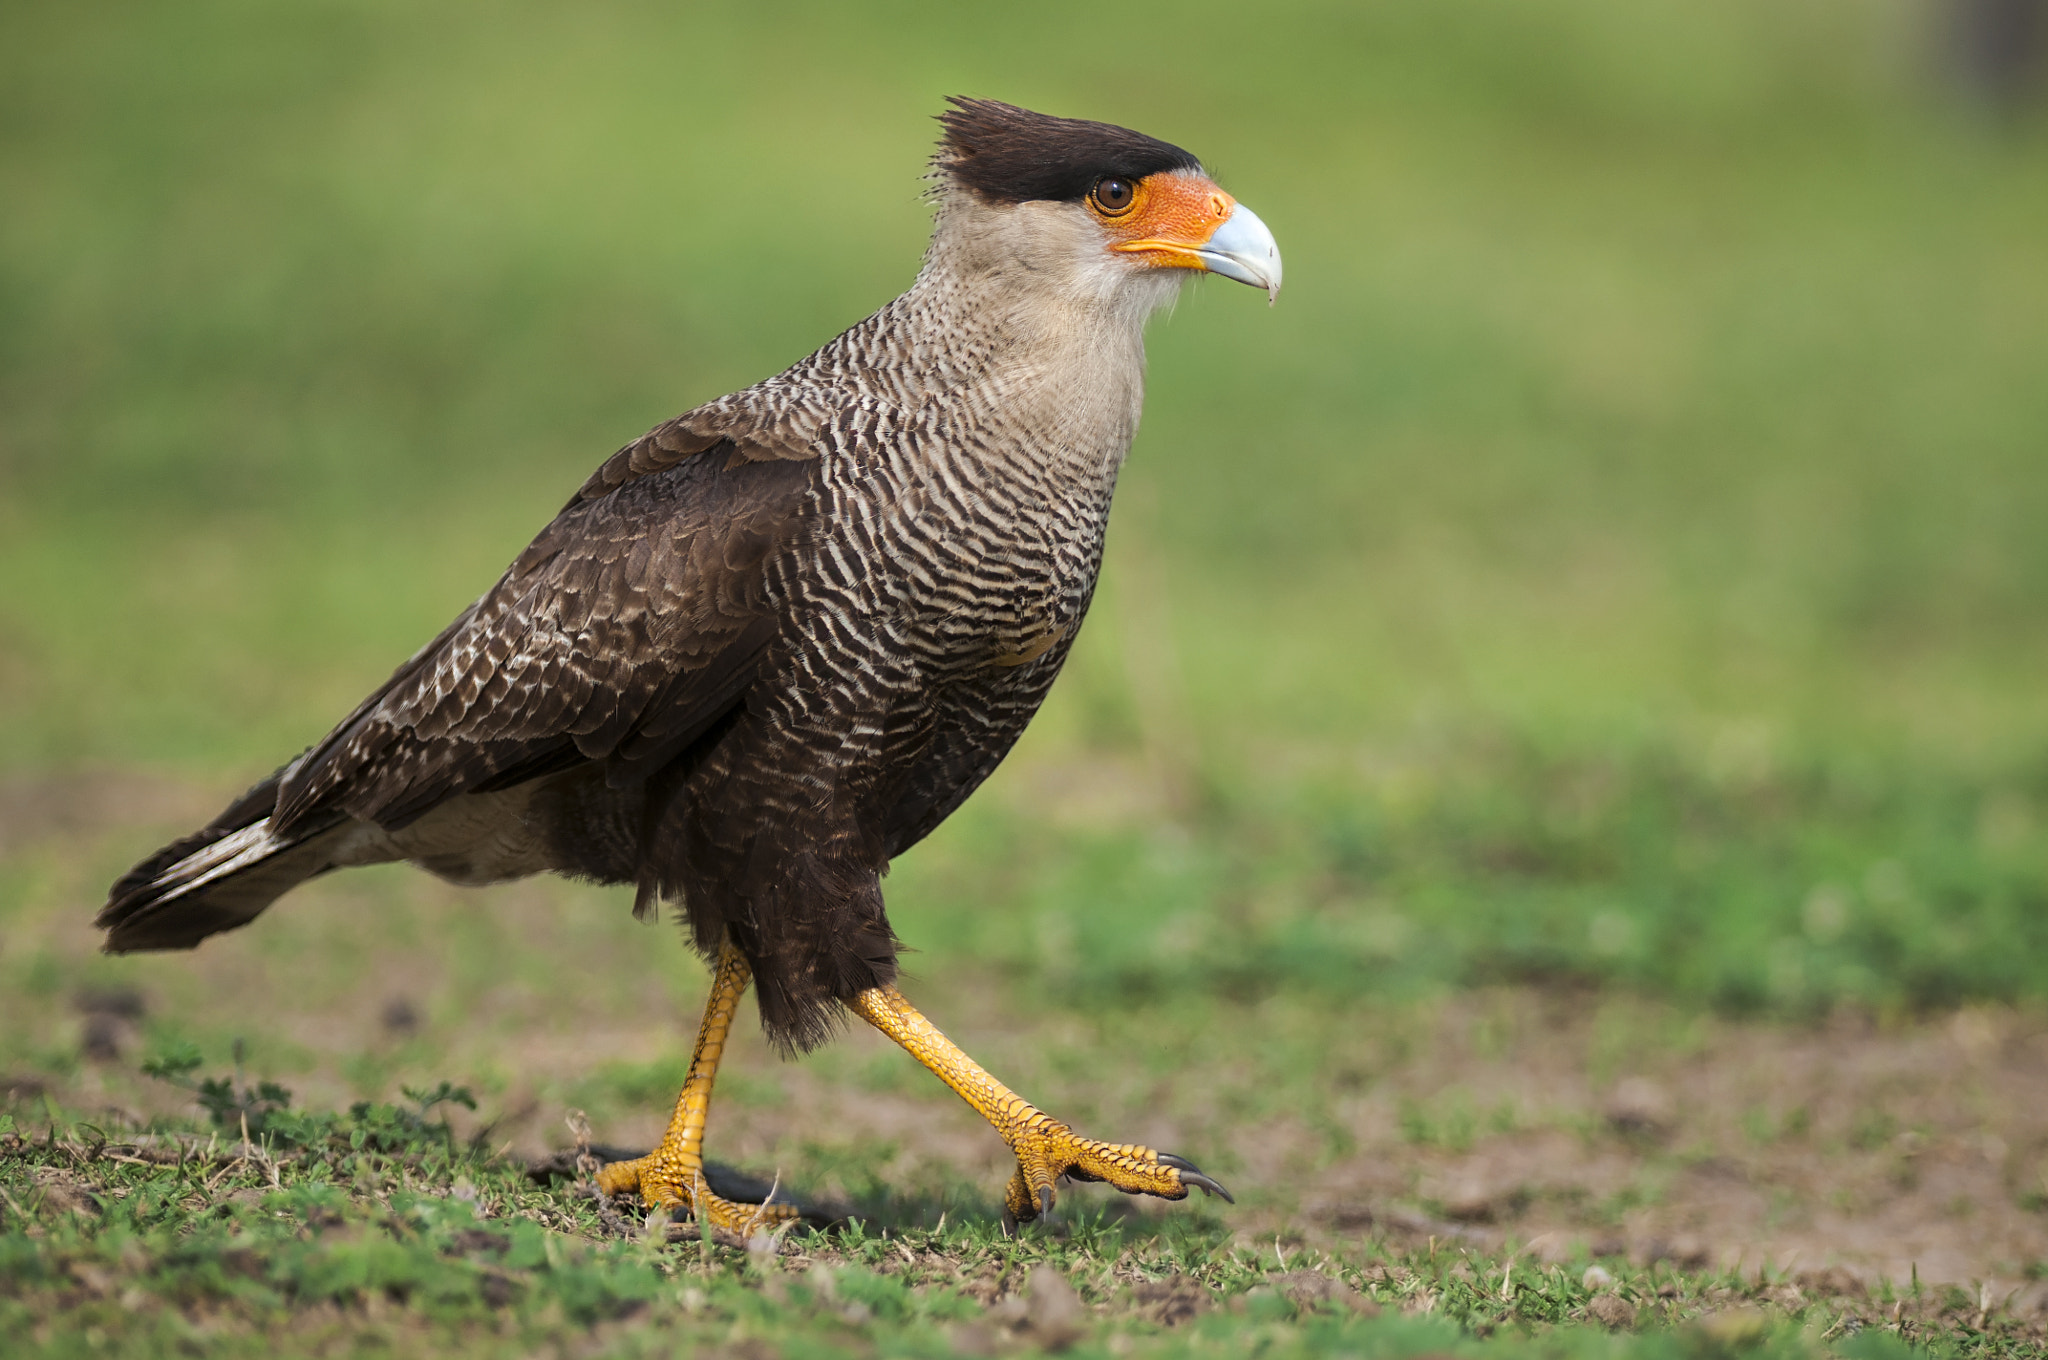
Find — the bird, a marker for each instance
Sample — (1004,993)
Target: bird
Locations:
(771,644)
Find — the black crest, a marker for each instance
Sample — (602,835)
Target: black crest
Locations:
(1011,155)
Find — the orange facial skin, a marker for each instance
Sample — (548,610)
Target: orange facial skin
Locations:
(1171,216)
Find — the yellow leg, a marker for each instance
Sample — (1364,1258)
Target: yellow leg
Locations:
(1046,1149)
(673,1174)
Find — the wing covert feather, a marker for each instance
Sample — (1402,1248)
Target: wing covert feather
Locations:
(625,629)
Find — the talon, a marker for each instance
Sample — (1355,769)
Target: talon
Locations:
(1190,1174)
(1009,1223)
(1044,1199)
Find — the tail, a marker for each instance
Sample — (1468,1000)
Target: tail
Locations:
(220,877)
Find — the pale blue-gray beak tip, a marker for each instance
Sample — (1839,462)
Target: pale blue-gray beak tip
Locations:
(1243,249)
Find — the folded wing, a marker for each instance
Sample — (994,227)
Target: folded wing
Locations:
(628,629)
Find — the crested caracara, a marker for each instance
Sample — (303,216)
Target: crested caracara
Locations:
(771,644)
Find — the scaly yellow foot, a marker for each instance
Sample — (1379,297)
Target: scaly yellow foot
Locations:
(675,1185)
(672,1176)
(1046,1149)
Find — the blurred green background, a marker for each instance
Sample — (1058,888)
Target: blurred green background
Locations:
(1618,560)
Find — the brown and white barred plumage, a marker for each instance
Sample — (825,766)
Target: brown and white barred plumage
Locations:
(775,641)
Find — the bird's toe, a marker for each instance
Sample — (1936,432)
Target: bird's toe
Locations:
(1190,1174)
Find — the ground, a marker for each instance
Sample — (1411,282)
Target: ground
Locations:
(1849,1172)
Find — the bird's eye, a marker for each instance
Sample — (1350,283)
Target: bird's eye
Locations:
(1113,196)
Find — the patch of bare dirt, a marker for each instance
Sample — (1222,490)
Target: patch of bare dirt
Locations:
(1871,1150)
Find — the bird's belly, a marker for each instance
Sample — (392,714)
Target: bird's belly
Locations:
(476,839)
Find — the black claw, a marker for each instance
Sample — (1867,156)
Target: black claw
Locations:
(1190,1174)
(1044,1199)
(1009,1223)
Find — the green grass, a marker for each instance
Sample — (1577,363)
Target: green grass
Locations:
(1786,891)
(1614,566)
(376,1228)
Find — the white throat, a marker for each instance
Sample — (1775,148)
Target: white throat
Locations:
(1040,323)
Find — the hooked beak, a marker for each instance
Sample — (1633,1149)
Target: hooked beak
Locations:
(1243,249)
(1198,226)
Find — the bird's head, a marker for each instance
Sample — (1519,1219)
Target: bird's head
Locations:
(1089,209)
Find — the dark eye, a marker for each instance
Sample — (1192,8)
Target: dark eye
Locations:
(1113,196)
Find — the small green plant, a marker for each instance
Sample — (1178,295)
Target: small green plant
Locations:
(425,1101)
(230,1102)
(264,1108)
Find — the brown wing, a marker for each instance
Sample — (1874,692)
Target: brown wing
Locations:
(628,628)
